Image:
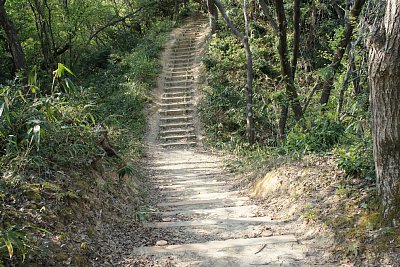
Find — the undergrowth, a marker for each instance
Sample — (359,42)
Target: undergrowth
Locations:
(341,141)
(55,134)
(322,131)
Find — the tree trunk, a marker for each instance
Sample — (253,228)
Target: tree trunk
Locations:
(12,39)
(44,31)
(296,38)
(283,120)
(268,16)
(285,65)
(340,50)
(384,78)
(249,74)
(249,67)
(213,13)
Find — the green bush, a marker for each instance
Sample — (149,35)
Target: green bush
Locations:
(323,134)
(357,160)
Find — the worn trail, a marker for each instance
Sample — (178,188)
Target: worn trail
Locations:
(203,220)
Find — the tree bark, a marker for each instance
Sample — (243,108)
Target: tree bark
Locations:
(384,78)
(44,31)
(286,69)
(340,50)
(296,38)
(271,21)
(213,13)
(12,39)
(249,74)
(249,68)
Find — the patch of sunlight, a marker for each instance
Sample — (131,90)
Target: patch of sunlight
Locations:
(267,184)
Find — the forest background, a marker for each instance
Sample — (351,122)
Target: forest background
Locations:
(76,77)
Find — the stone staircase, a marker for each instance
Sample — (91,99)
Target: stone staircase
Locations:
(202,220)
(177,108)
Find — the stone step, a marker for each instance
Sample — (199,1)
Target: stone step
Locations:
(184,90)
(178,94)
(178,83)
(177,125)
(181,60)
(220,185)
(180,69)
(192,182)
(196,175)
(178,137)
(213,246)
(182,55)
(186,41)
(190,33)
(197,189)
(230,221)
(177,99)
(227,212)
(184,48)
(176,132)
(201,195)
(183,77)
(177,119)
(180,65)
(171,87)
(240,201)
(175,112)
(181,144)
(178,74)
(185,80)
(179,105)
(197,25)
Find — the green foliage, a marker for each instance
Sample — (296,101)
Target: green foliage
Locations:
(145,214)
(223,107)
(13,242)
(127,170)
(324,133)
(51,127)
(122,89)
(357,160)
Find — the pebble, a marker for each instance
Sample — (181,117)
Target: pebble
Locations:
(161,243)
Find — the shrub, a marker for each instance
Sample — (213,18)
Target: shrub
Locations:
(323,134)
(357,160)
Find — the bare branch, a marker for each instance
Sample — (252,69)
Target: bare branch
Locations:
(268,15)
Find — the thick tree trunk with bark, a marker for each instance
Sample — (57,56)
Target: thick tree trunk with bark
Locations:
(12,39)
(384,77)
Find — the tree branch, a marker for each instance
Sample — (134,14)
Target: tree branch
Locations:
(269,17)
(115,22)
(228,20)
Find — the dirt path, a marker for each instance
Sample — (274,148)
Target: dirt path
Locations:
(202,219)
